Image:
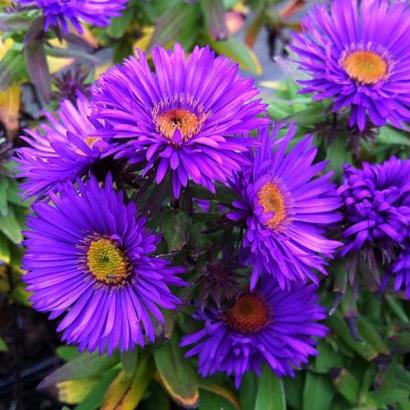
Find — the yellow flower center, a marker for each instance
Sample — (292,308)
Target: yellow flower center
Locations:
(90,141)
(106,261)
(365,66)
(187,123)
(249,314)
(272,201)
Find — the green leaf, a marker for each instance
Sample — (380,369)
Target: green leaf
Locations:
(390,396)
(67,353)
(223,194)
(214,16)
(156,400)
(13,193)
(129,362)
(12,69)
(177,374)
(21,295)
(396,306)
(271,394)
(391,136)
(4,250)
(36,61)
(338,326)
(397,376)
(120,24)
(210,401)
(317,390)
(294,390)
(219,389)
(248,390)
(311,115)
(278,111)
(178,24)
(370,334)
(347,385)
(4,185)
(122,50)
(3,346)
(327,358)
(337,154)
(95,398)
(175,227)
(14,22)
(85,365)
(236,50)
(10,227)
(126,392)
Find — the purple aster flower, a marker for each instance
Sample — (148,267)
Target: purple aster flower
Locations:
(268,325)
(62,150)
(88,259)
(191,118)
(354,62)
(61,13)
(376,204)
(401,271)
(286,206)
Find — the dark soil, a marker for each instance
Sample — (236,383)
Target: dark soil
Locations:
(31,341)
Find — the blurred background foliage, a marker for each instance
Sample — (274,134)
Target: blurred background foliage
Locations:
(363,363)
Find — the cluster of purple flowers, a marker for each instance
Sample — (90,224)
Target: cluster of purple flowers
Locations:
(89,254)
(376,199)
(90,257)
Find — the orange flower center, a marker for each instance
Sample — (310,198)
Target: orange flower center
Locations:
(185,121)
(107,262)
(365,66)
(272,201)
(90,141)
(249,315)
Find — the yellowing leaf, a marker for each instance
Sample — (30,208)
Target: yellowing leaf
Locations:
(125,392)
(221,391)
(57,63)
(176,374)
(74,391)
(240,7)
(86,365)
(5,46)
(144,41)
(89,38)
(55,42)
(102,69)
(21,295)
(4,250)
(9,108)
(274,85)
